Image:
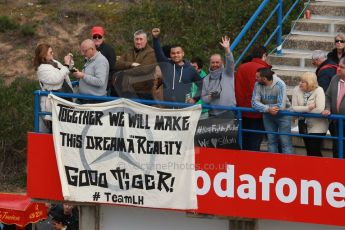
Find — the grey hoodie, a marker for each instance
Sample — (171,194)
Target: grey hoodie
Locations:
(265,97)
(221,81)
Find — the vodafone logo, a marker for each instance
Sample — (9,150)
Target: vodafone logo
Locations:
(285,189)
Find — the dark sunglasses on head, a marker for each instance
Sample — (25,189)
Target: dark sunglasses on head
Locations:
(341,41)
(97,36)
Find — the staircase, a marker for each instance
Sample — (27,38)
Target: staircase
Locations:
(317,33)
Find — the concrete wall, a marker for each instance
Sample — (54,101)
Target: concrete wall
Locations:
(124,218)
(283,225)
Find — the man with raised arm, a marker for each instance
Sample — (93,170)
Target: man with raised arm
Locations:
(93,78)
(178,74)
(218,86)
(269,97)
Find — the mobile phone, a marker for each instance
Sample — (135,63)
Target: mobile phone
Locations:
(73,70)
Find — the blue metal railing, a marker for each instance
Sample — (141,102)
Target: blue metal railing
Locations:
(237,110)
(278,30)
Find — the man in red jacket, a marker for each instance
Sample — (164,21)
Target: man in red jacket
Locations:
(244,85)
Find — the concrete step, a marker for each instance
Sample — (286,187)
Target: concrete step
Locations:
(291,59)
(305,42)
(328,27)
(327,8)
(290,75)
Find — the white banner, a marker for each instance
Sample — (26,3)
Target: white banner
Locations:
(123,152)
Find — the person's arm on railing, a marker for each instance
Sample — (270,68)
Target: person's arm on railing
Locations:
(297,94)
(256,99)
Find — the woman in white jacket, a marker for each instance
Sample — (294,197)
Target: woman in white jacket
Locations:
(309,97)
(51,75)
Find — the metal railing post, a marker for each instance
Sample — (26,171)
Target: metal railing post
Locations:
(280,27)
(36,111)
(240,132)
(340,138)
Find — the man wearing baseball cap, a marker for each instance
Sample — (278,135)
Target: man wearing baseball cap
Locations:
(108,51)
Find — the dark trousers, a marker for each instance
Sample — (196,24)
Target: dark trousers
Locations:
(252,141)
(312,145)
(333,129)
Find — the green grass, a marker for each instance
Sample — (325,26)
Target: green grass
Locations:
(7,23)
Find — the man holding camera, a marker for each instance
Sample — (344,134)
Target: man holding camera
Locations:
(93,78)
(218,85)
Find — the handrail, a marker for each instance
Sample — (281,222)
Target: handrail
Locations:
(278,30)
(248,25)
(237,110)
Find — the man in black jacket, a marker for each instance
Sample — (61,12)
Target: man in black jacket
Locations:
(326,68)
(108,51)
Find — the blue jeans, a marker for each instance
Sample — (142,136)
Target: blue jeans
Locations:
(278,123)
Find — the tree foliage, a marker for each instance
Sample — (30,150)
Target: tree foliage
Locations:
(16,102)
(195,24)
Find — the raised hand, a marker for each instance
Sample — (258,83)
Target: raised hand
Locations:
(225,43)
(156,32)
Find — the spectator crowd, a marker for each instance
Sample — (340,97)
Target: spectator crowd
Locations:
(163,73)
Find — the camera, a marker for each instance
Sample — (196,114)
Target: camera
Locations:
(215,94)
(73,70)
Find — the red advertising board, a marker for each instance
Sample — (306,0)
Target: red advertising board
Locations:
(233,183)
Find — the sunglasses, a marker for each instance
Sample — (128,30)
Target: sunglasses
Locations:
(341,41)
(97,36)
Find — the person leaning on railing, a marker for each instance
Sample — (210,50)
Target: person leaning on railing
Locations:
(269,97)
(335,103)
(308,97)
(52,76)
